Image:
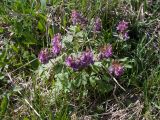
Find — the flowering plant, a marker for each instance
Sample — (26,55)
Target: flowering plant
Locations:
(122,29)
(82,62)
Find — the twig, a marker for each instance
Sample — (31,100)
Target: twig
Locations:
(115,80)
(118,83)
(31,106)
(10,77)
(114,95)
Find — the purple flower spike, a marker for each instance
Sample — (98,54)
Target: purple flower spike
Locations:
(111,69)
(106,51)
(86,58)
(77,18)
(119,70)
(97,25)
(56,44)
(122,29)
(116,69)
(122,26)
(43,56)
(56,39)
(69,61)
(56,49)
(74,64)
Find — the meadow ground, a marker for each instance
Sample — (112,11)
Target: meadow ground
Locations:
(80,59)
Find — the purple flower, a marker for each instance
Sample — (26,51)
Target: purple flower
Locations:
(125,36)
(56,44)
(69,61)
(56,39)
(97,25)
(73,63)
(122,29)
(77,18)
(86,58)
(43,56)
(116,69)
(122,26)
(106,51)
(56,49)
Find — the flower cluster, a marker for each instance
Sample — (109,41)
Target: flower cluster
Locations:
(122,29)
(84,60)
(105,52)
(97,25)
(43,56)
(77,18)
(56,44)
(116,69)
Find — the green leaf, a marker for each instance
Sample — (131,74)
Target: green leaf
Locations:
(43,4)
(40,26)
(29,38)
(68,38)
(1,30)
(99,64)
(123,59)
(73,29)
(25,118)
(17,88)
(1,76)
(3,55)
(127,66)
(3,107)
(30,42)
(15,48)
(84,80)
(93,80)
(105,77)
(50,31)
(80,34)
(104,87)
(35,63)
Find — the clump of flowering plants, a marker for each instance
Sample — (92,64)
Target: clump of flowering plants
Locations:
(78,58)
(122,30)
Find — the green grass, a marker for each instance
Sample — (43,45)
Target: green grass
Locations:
(29,90)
